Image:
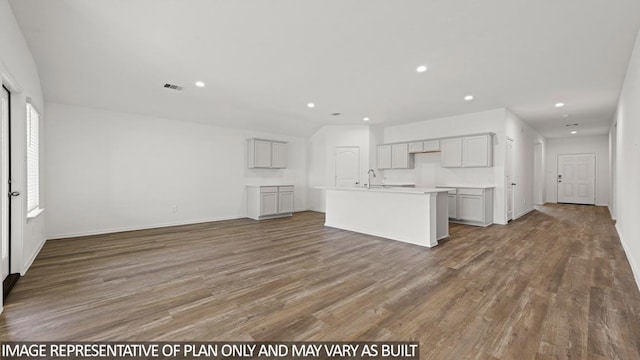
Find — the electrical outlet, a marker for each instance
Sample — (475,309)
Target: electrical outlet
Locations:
(174,208)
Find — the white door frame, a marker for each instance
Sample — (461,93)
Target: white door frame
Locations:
(17,133)
(509,183)
(538,174)
(5,201)
(613,155)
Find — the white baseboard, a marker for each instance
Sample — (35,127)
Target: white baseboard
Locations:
(524,213)
(28,264)
(378,234)
(634,266)
(140,227)
(145,227)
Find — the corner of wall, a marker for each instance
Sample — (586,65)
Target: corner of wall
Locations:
(635,267)
(27,264)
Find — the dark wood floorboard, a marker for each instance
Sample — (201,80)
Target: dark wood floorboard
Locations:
(554,284)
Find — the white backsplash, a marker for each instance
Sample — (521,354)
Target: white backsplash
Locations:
(427,172)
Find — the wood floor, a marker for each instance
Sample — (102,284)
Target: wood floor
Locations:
(554,284)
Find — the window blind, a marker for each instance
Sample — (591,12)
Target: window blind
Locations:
(33,158)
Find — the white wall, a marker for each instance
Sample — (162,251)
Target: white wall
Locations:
(110,171)
(628,162)
(19,74)
(428,172)
(322,167)
(612,167)
(598,145)
(524,141)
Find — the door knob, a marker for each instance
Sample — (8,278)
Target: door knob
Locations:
(14,193)
(514,184)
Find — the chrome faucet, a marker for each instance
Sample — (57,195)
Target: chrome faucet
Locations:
(370,172)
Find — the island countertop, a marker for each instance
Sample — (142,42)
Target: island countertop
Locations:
(402,190)
(418,216)
(267,184)
(458,186)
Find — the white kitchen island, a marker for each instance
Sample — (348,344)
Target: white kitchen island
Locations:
(414,215)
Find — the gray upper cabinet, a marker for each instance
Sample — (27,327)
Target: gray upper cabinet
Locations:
(384,157)
(424,146)
(451,152)
(477,151)
(394,156)
(455,152)
(400,158)
(416,147)
(278,155)
(266,154)
(467,151)
(431,145)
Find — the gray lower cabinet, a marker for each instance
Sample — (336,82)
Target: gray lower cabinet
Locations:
(453,204)
(471,206)
(266,202)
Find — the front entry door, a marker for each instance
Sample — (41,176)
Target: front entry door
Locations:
(577,179)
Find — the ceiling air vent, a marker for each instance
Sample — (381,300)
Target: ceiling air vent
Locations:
(173,87)
(336,114)
(576,124)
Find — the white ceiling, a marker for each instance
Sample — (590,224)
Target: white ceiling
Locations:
(262,61)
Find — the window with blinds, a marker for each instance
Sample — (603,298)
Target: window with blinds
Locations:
(33,159)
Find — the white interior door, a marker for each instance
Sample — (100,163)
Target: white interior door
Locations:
(509,184)
(577,178)
(4,181)
(347,166)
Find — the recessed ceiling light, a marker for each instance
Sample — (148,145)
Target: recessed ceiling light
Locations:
(559,105)
(565,115)
(574,132)
(366,119)
(310,105)
(199,84)
(421,68)
(468,97)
